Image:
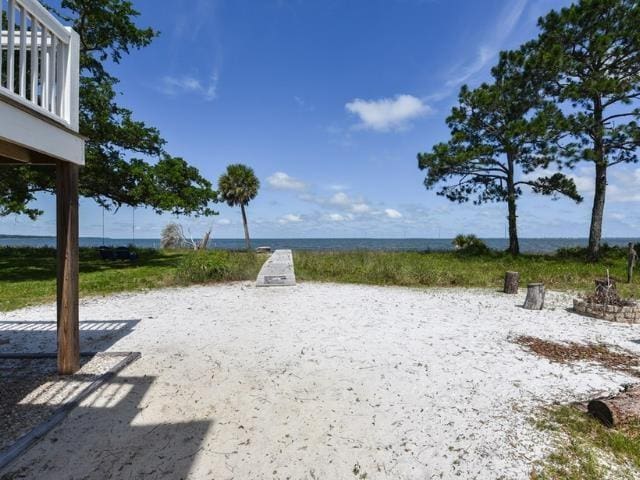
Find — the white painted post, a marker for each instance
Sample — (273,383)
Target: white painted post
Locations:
(72,84)
(23,52)
(11,19)
(34,60)
(45,66)
(52,74)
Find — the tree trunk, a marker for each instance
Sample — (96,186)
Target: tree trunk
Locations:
(535,296)
(514,244)
(619,410)
(247,240)
(597,212)
(511,282)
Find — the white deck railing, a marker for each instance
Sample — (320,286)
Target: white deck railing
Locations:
(39,61)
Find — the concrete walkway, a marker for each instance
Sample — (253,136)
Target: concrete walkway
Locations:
(277,271)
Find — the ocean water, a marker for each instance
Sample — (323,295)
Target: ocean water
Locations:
(529,245)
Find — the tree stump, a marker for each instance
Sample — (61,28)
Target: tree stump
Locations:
(535,296)
(511,282)
(619,410)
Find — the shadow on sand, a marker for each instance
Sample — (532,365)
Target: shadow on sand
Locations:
(107,438)
(41,336)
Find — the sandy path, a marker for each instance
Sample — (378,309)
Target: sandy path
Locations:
(317,381)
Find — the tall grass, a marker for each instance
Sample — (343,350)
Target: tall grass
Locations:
(27,275)
(452,269)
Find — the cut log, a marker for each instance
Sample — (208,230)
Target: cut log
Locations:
(535,296)
(511,282)
(619,410)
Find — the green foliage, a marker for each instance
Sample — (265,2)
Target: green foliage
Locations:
(470,245)
(202,267)
(238,186)
(606,252)
(113,175)
(497,129)
(590,52)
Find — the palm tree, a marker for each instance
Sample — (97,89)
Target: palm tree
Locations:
(238,186)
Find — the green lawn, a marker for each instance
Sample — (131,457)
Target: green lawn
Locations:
(27,275)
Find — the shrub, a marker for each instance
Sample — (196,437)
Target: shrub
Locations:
(202,267)
(470,244)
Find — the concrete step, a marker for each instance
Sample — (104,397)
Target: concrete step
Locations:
(277,271)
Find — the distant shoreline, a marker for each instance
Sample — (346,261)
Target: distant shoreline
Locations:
(528,245)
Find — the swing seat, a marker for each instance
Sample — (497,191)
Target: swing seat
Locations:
(118,253)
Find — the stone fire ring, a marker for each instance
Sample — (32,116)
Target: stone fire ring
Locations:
(612,313)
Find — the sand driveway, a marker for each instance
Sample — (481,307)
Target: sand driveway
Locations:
(317,381)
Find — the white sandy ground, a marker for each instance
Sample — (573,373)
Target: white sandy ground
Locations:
(318,381)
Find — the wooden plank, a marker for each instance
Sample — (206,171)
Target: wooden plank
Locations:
(68,268)
(22,126)
(14,152)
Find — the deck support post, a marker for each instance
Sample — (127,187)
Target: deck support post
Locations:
(68,320)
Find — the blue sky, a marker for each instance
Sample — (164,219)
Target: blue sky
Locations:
(329,101)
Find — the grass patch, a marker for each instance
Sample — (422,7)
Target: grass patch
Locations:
(28,275)
(451,269)
(586,450)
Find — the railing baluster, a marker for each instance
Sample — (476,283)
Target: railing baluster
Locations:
(39,60)
(1,49)
(34,59)
(62,54)
(45,67)
(23,52)
(11,31)
(52,73)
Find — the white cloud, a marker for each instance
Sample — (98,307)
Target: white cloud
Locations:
(337,187)
(336,217)
(290,218)
(360,208)
(341,199)
(282,181)
(623,185)
(388,114)
(186,84)
(224,221)
(487,51)
(391,213)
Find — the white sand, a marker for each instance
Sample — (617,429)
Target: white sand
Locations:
(319,381)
